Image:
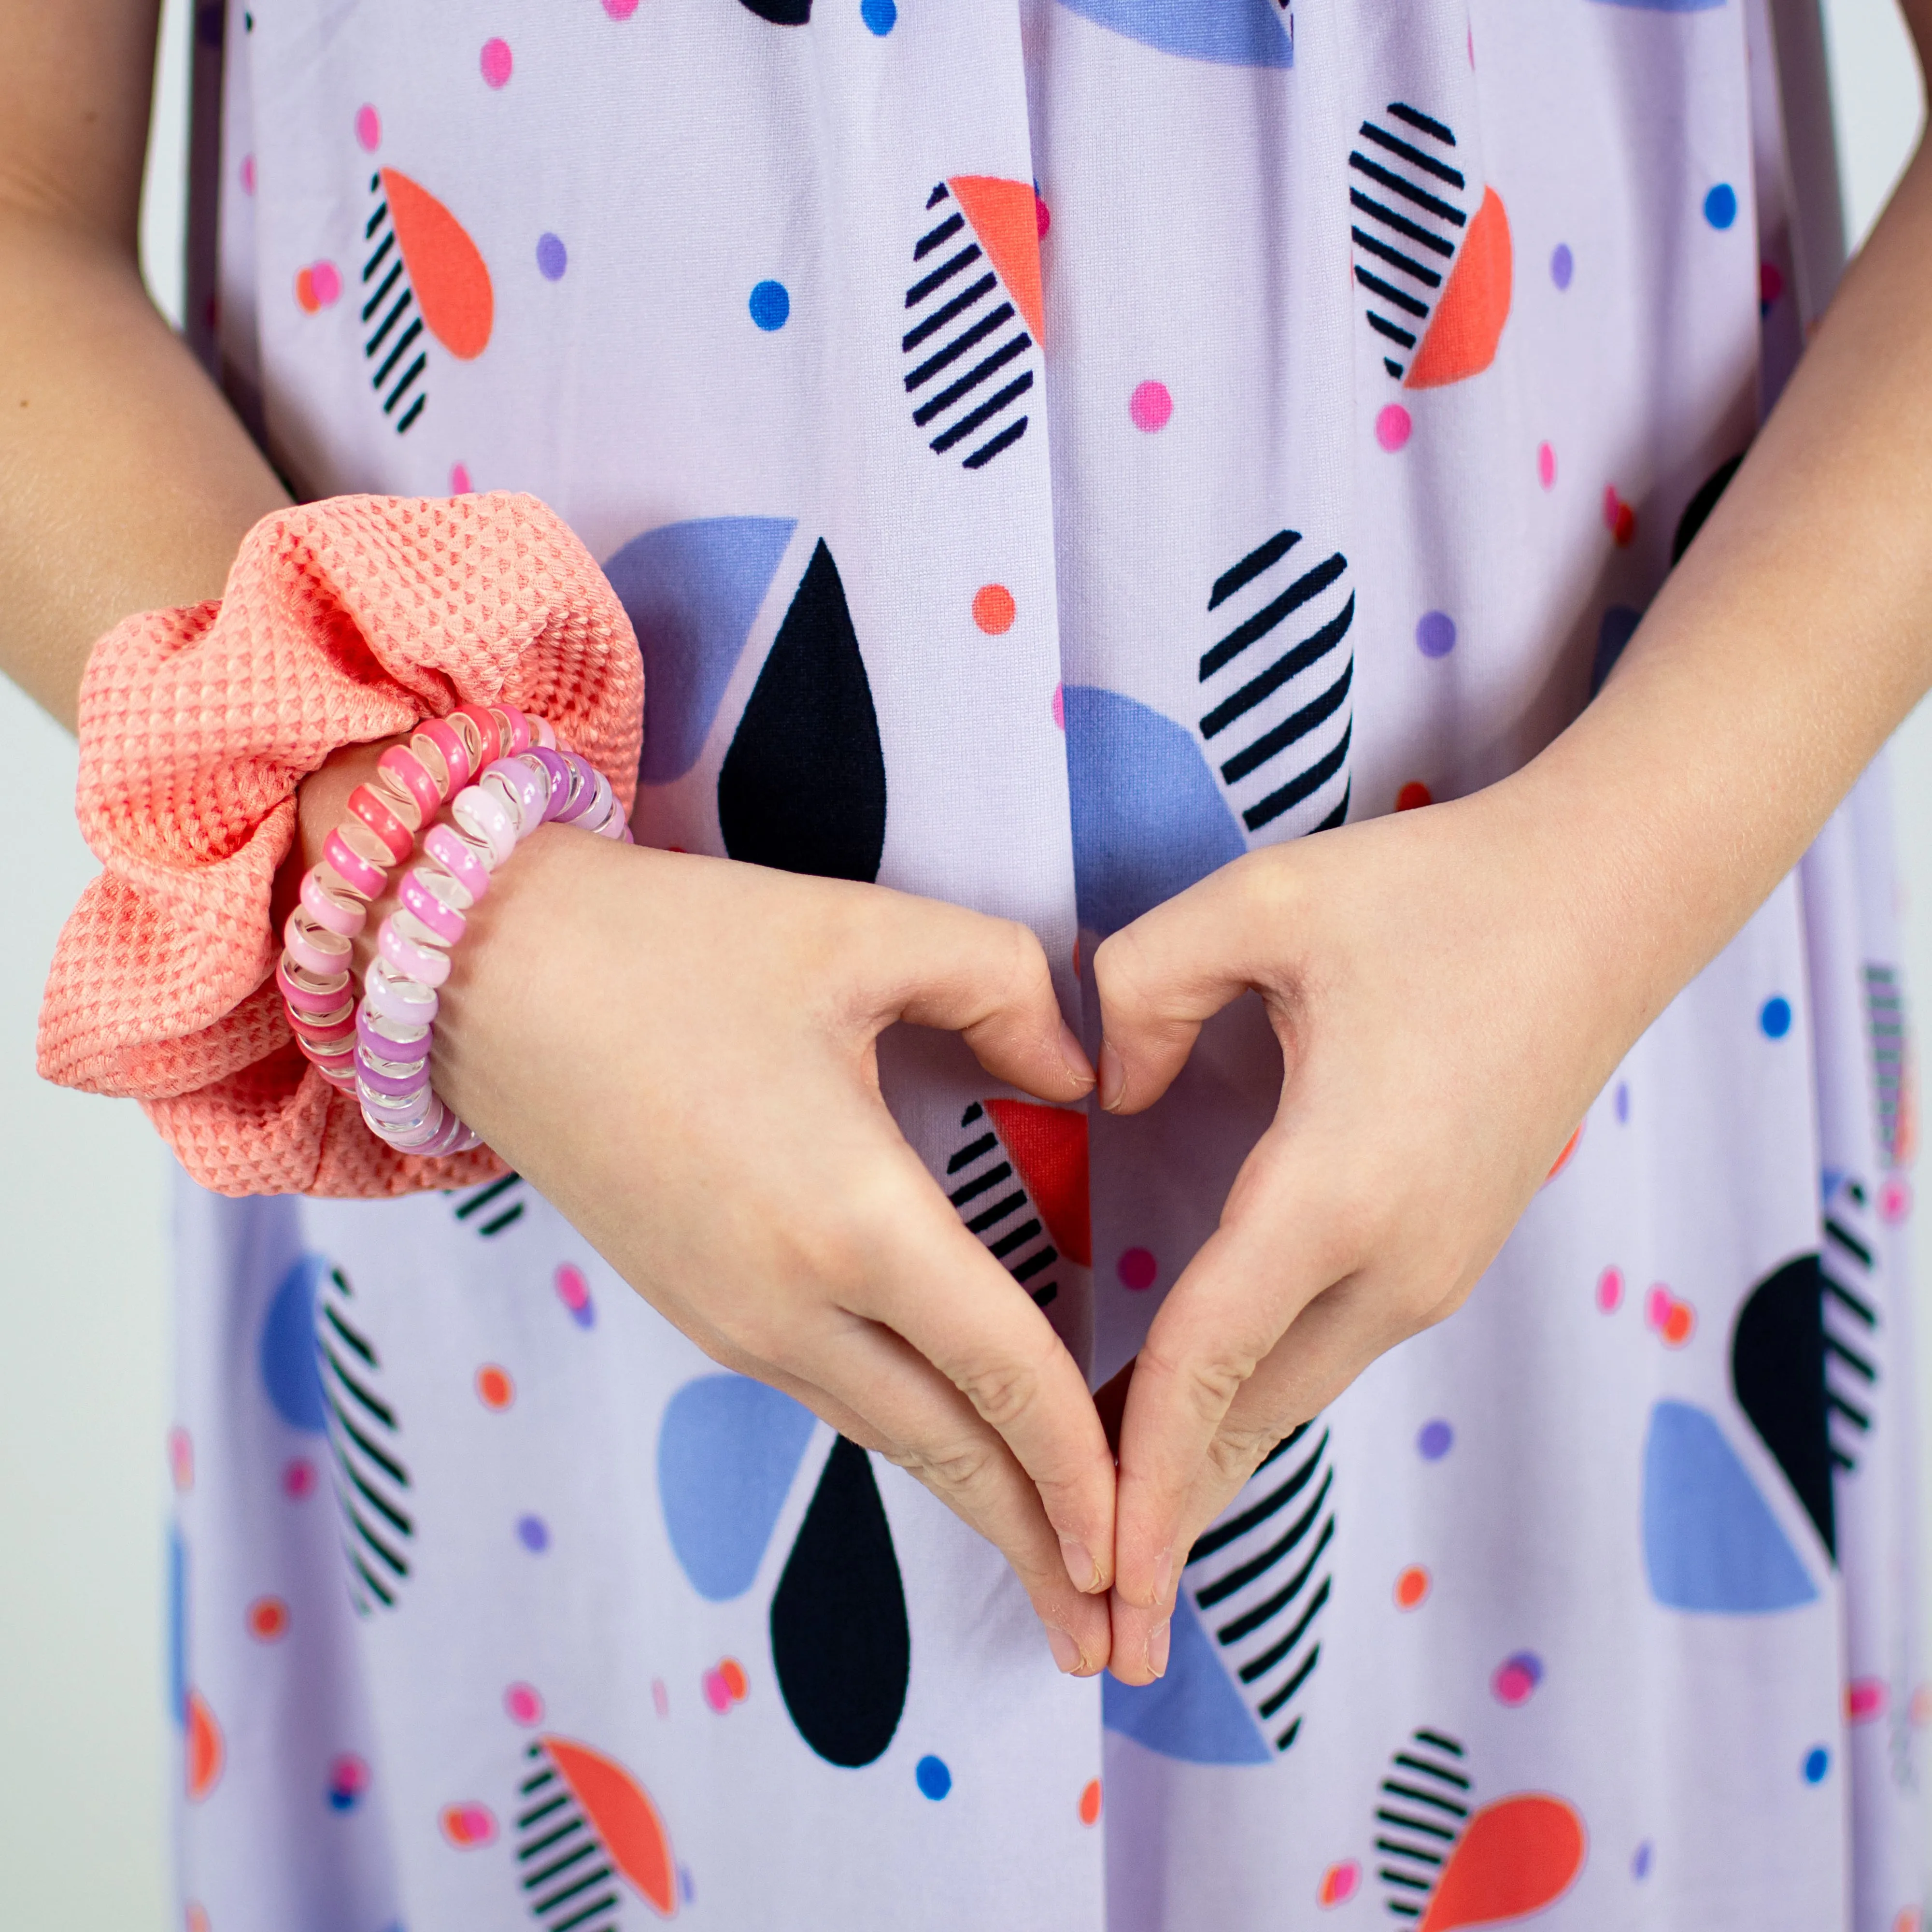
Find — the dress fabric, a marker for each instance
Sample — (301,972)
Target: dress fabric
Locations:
(1047,448)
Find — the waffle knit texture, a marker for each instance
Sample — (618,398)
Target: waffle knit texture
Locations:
(342,621)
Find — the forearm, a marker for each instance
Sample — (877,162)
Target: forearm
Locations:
(1786,647)
(126,483)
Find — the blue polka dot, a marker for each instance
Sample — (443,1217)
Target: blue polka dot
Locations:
(1640,1864)
(771,305)
(1436,634)
(881,16)
(935,1780)
(1562,265)
(533,1533)
(1720,205)
(1433,1440)
(553,258)
(1775,1016)
(1817,1762)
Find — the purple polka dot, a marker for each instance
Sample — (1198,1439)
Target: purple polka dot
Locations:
(1562,265)
(533,1533)
(553,258)
(1640,1862)
(1136,1268)
(1151,405)
(1435,635)
(1433,1440)
(1623,1102)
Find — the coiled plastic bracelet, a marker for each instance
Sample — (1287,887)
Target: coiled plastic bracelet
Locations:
(395,1023)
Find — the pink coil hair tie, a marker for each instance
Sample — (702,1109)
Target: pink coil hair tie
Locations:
(526,782)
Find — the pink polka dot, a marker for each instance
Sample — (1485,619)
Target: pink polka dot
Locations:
(1516,1678)
(368,128)
(1060,706)
(1393,425)
(660,1696)
(1610,1290)
(180,1458)
(325,281)
(1042,220)
(523,1705)
(1864,1699)
(467,1826)
(717,1691)
(1151,405)
(248,174)
(620,10)
(1657,1305)
(459,485)
(1546,466)
(1894,1199)
(299,1478)
(1136,1268)
(572,1290)
(496,62)
(1340,1883)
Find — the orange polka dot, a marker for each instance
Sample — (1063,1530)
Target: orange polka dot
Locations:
(1090,1802)
(994,608)
(494,1388)
(197,1918)
(1413,793)
(1679,1324)
(733,1673)
(268,1619)
(1411,1587)
(305,293)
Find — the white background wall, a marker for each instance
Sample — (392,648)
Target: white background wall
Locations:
(87,1758)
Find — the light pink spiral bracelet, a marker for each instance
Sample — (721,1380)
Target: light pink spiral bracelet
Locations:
(379,1048)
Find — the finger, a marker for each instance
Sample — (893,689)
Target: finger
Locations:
(987,980)
(930,1281)
(1159,980)
(1222,1318)
(929,1429)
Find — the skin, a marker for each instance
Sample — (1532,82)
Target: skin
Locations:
(792,1233)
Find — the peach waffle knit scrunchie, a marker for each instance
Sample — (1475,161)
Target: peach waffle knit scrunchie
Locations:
(343,621)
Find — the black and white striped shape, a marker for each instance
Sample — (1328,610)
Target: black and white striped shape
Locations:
(1277,683)
(993,1201)
(567,1878)
(392,345)
(1261,1579)
(372,1483)
(970,362)
(1425,1800)
(1848,1264)
(1408,219)
(493,1207)
(1884,1018)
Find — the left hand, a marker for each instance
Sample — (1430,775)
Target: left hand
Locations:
(1447,1005)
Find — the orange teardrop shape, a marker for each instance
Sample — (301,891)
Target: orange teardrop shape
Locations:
(452,284)
(1005,217)
(625,1820)
(1515,1857)
(206,1752)
(1469,320)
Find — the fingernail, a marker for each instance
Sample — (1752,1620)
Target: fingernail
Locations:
(1157,1642)
(1163,1577)
(1080,1565)
(1074,1055)
(1112,1080)
(1066,1652)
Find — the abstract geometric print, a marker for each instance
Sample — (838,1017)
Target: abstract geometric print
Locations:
(422,260)
(589,1838)
(974,267)
(1436,284)
(1034,1217)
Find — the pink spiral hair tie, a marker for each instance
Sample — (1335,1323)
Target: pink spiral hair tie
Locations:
(526,784)
(401,764)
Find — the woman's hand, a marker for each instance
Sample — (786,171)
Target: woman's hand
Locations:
(1445,1022)
(679,1052)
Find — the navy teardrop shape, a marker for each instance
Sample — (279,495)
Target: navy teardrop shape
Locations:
(840,1642)
(1777,1370)
(803,786)
(780,13)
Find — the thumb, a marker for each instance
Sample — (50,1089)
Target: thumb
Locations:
(987,979)
(1160,979)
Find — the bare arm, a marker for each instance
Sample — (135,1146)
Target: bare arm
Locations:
(126,483)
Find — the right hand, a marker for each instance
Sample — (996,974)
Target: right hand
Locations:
(679,1051)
